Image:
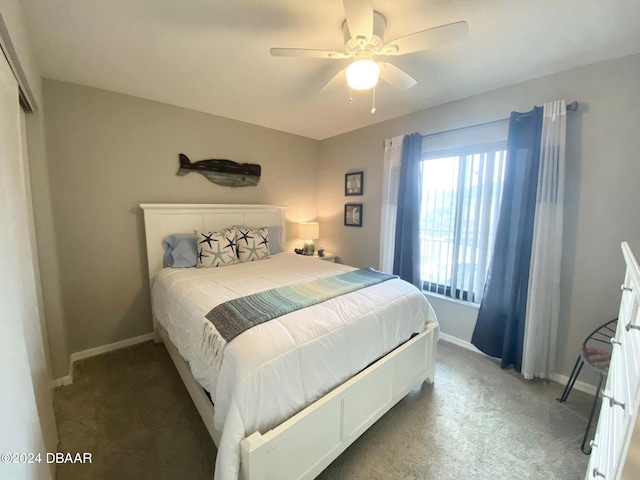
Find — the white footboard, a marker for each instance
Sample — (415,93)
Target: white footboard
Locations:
(307,443)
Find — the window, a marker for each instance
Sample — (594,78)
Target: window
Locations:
(461,190)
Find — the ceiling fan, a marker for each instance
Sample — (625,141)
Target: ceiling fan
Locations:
(364,41)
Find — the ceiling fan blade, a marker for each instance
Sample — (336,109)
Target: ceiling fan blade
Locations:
(338,79)
(359,15)
(306,52)
(395,76)
(431,38)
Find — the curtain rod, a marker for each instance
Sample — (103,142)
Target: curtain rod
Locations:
(571,107)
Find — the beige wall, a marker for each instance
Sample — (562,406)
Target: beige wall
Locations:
(108,153)
(602,191)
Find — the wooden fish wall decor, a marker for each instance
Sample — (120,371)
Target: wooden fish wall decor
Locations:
(223,172)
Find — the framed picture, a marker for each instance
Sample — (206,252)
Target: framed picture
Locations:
(354,183)
(353,214)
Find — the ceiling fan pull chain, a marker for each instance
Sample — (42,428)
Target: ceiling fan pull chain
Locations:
(373,106)
(350,96)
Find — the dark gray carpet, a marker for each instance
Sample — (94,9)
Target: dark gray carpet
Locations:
(130,410)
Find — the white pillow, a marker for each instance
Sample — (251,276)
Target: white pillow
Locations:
(252,244)
(275,232)
(217,249)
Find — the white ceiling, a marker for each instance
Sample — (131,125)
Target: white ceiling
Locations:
(213,55)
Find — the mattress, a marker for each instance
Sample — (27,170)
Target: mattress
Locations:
(274,370)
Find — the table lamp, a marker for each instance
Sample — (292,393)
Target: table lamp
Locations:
(309,231)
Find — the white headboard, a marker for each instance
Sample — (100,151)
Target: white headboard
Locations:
(162,220)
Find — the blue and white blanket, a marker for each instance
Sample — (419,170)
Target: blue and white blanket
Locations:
(235,316)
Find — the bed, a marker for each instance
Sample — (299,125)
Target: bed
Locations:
(287,407)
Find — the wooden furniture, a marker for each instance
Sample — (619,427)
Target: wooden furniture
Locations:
(618,431)
(328,257)
(305,444)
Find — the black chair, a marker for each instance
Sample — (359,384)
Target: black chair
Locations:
(595,352)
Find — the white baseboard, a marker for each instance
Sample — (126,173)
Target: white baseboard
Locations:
(458,341)
(62,381)
(582,386)
(556,377)
(92,352)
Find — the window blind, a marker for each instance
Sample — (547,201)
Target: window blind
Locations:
(461,195)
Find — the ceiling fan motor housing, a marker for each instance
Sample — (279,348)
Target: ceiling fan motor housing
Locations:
(360,43)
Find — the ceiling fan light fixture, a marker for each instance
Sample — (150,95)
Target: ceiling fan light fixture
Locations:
(363,74)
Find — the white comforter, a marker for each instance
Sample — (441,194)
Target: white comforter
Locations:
(274,370)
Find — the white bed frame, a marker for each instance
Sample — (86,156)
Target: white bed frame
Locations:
(304,445)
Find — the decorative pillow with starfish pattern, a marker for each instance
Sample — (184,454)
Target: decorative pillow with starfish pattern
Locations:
(217,249)
(252,244)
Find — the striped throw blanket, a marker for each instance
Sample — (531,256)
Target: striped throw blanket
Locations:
(232,318)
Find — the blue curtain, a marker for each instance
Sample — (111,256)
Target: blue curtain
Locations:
(499,331)
(406,258)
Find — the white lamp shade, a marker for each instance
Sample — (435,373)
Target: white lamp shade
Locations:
(363,74)
(309,230)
